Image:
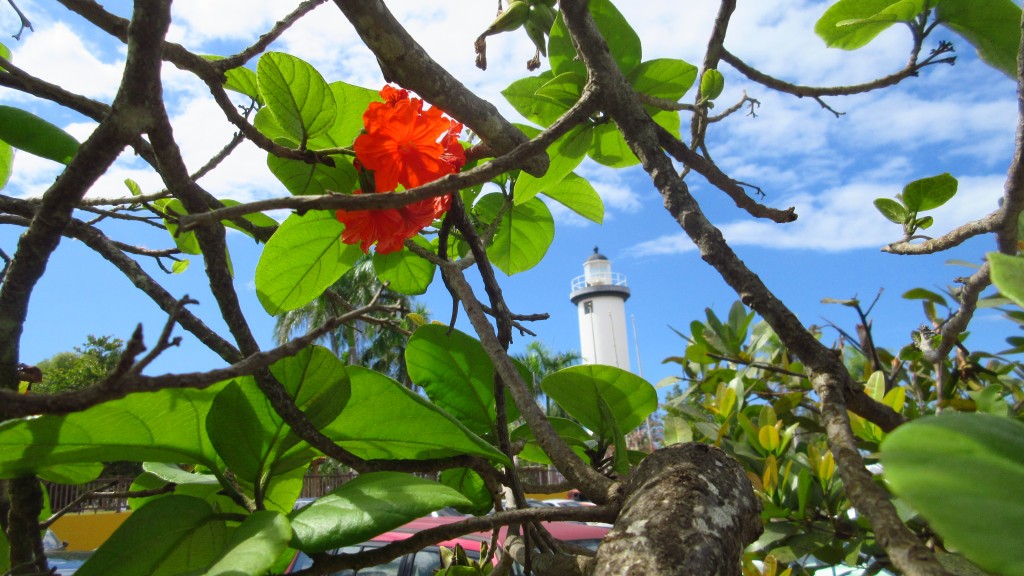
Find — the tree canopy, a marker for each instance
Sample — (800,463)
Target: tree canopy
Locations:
(784,453)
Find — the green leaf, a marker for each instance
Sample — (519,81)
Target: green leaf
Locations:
(257,218)
(666,78)
(366,506)
(163,426)
(301,260)
(404,270)
(186,241)
(993,27)
(961,472)
(1008,275)
(385,420)
(929,193)
(30,133)
(677,430)
(569,431)
(610,148)
(351,102)
(924,294)
(566,154)
(577,194)
(6,163)
(297,95)
(892,210)
(302,178)
(522,95)
(240,79)
(851,24)
(457,375)
(468,483)
(72,473)
(179,266)
(630,399)
(254,546)
(170,535)
(523,236)
(5,53)
(623,41)
(563,90)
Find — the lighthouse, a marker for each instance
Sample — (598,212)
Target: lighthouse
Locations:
(600,297)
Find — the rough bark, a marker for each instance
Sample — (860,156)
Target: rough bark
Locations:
(688,509)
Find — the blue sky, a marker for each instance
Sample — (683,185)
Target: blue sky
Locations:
(956,119)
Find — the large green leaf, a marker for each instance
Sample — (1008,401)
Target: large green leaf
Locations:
(471,485)
(385,420)
(30,133)
(577,194)
(301,260)
(71,473)
(623,41)
(352,102)
(851,24)
(303,178)
(247,432)
(163,426)
(570,431)
(992,26)
(892,210)
(566,154)
(563,90)
(241,80)
(258,218)
(254,546)
(456,374)
(170,535)
(1008,275)
(580,389)
(929,193)
(297,95)
(6,163)
(667,78)
(404,270)
(522,95)
(366,506)
(523,236)
(963,473)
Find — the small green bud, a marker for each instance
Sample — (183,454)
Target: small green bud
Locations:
(513,17)
(712,84)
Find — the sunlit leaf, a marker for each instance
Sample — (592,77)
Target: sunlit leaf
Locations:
(6,163)
(851,24)
(892,210)
(456,374)
(303,258)
(170,535)
(566,154)
(1008,275)
(993,27)
(405,271)
(385,420)
(368,505)
(629,398)
(577,194)
(666,78)
(254,546)
(297,95)
(30,133)
(302,178)
(523,236)
(929,193)
(961,472)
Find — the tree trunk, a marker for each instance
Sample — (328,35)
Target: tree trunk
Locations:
(688,509)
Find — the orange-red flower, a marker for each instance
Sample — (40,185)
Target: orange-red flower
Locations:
(403,144)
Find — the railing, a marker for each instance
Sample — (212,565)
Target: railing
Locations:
(598,279)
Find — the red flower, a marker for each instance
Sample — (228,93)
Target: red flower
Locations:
(408,146)
(389,228)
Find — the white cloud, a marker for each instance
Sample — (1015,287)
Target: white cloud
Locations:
(840,219)
(200,21)
(58,54)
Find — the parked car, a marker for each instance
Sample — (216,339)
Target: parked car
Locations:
(426,561)
(59,558)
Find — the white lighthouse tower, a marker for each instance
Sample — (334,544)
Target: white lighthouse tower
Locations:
(600,297)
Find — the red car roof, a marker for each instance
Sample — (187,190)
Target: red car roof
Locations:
(562,530)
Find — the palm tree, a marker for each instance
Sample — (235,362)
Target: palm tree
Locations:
(541,361)
(376,345)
